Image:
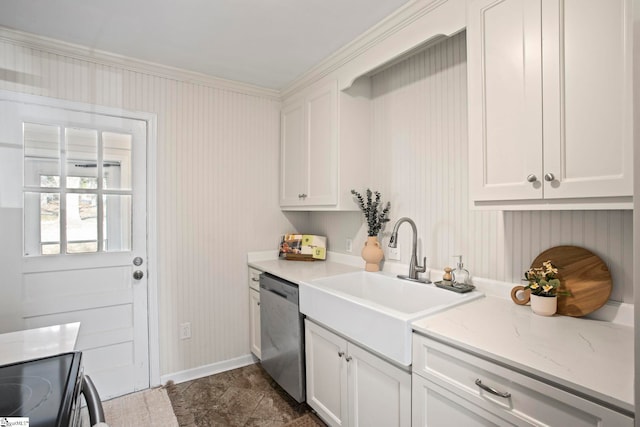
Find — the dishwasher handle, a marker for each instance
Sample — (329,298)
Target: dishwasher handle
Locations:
(280,294)
(279,287)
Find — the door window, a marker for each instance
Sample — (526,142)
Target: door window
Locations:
(77,190)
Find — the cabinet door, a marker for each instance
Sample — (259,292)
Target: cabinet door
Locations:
(293,154)
(322,116)
(434,406)
(254,321)
(379,393)
(587,98)
(326,374)
(505,99)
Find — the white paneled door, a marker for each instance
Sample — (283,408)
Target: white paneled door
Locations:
(76,182)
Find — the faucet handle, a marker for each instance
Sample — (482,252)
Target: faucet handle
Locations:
(422,268)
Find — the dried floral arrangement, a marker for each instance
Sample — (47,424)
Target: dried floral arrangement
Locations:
(374,211)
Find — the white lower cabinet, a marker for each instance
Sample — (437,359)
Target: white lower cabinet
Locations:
(436,406)
(453,387)
(254,311)
(349,386)
(254,319)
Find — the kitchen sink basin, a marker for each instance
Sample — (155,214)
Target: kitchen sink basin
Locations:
(376,309)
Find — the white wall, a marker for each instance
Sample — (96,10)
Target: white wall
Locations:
(419,162)
(217,184)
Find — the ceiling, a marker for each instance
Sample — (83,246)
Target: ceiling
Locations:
(268,43)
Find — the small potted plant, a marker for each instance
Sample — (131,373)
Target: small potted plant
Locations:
(543,285)
(376,213)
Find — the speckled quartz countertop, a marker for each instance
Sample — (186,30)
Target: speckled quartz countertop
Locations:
(590,356)
(36,343)
(296,271)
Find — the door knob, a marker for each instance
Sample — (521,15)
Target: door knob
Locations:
(138,274)
(549,177)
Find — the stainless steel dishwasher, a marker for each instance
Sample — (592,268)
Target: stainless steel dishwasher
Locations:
(282,335)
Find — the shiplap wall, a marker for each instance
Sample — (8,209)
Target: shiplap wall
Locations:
(419,162)
(217,187)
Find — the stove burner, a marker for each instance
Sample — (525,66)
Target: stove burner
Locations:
(44,390)
(21,395)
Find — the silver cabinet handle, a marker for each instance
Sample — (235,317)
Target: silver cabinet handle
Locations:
(532,178)
(302,196)
(255,279)
(348,358)
(549,177)
(492,390)
(340,353)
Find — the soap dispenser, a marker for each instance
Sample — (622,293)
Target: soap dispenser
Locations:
(460,274)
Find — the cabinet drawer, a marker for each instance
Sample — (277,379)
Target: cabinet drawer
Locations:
(530,401)
(254,278)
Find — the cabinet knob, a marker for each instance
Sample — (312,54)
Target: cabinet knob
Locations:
(258,302)
(549,177)
(348,358)
(340,353)
(532,178)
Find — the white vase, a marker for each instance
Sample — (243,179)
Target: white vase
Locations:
(544,306)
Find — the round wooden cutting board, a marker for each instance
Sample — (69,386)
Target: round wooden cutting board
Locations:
(583,274)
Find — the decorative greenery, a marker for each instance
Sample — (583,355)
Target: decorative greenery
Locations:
(375,213)
(542,280)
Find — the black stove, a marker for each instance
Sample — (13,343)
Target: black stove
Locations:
(47,390)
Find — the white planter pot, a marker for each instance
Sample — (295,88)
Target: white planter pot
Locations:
(544,306)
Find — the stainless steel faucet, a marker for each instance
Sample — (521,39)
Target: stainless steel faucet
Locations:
(414,267)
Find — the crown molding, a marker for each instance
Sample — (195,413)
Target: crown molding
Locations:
(84,53)
(398,20)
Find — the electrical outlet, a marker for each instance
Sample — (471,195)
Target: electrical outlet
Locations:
(185,330)
(394,253)
(348,245)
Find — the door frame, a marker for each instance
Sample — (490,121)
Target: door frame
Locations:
(152,255)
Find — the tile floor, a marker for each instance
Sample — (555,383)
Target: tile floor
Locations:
(241,397)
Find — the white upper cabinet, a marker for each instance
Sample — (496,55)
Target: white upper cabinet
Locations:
(309,143)
(550,103)
(321,106)
(293,154)
(323,140)
(587,112)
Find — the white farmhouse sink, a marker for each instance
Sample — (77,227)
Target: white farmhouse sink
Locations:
(376,309)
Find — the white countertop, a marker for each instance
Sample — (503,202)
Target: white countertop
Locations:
(593,357)
(590,356)
(297,271)
(37,343)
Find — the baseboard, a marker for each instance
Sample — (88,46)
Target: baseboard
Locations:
(206,370)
